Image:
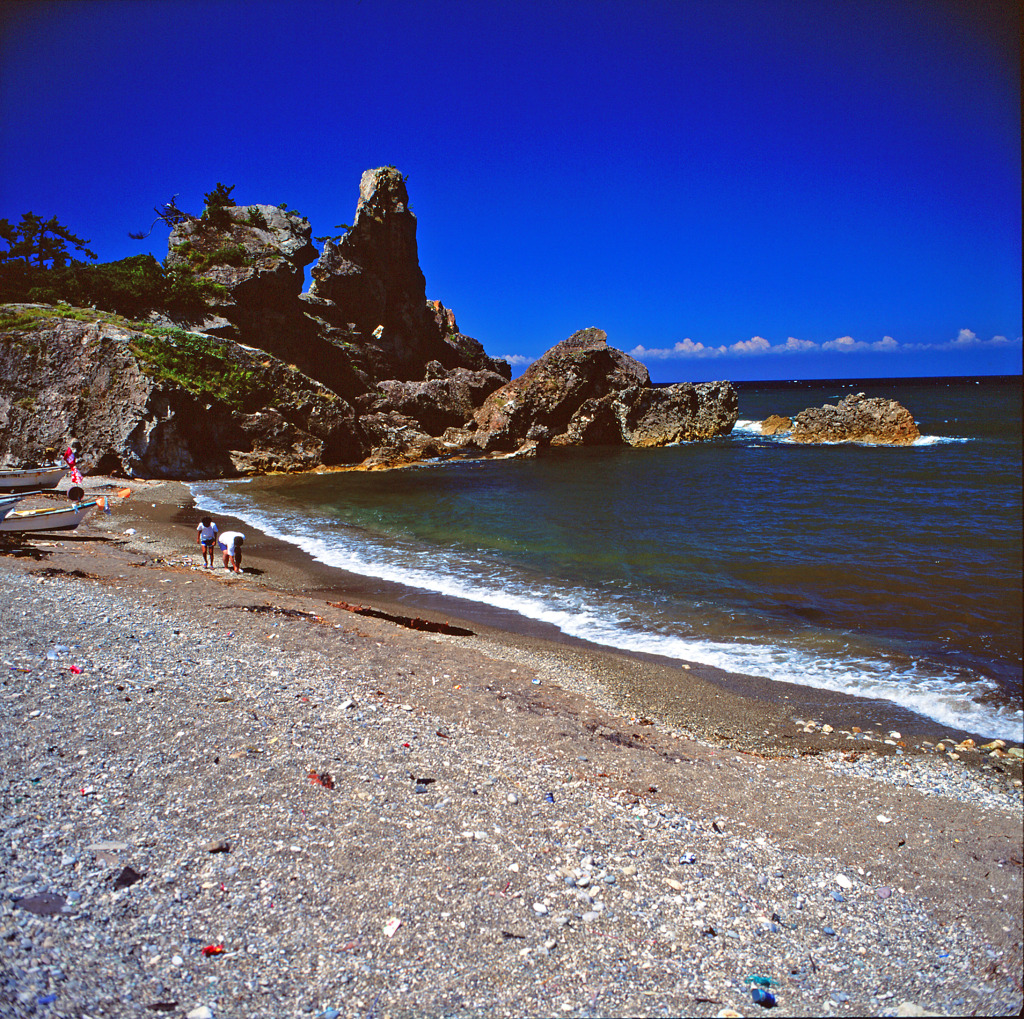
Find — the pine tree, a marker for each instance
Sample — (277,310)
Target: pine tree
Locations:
(39,242)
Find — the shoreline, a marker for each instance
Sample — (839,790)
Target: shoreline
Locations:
(529,838)
(698,699)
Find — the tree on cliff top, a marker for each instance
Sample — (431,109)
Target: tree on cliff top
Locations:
(39,242)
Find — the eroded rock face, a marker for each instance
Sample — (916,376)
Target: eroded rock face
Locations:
(583,392)
(257,254)
(856,418)
(371,280)
(445,399)
(99,382)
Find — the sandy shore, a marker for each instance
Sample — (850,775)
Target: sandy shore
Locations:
(480,786)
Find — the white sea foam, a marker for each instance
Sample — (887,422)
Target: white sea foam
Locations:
(750,427)
(942,696)
(937,440)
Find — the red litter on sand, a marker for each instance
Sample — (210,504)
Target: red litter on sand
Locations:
(323,779)
(213,950)
(75,670)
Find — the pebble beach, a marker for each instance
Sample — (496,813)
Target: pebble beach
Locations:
(224,796)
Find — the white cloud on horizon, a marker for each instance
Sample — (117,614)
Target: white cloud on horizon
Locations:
(517,360)
(758,345)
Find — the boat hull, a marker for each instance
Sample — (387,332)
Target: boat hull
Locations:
(7,503)
(31,477)
(64,518)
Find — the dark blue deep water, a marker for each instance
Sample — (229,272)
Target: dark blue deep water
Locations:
(893,573)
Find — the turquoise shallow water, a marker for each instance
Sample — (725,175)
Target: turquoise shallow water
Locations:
(893,573)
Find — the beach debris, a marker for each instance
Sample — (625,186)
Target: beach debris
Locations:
(276,610)
(762,997)
(882,819)
(107,847)
(75,670)
(162,1006)
(213,950)
(844,882)
(218,846)
(329,1013)
(391,926)
(322,779)
(760,981)
(43,904)
(549,797)
(127,878)
(202,1012)
(410,622)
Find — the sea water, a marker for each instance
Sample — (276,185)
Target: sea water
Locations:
(885,572)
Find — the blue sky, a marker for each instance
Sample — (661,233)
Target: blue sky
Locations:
(731,189)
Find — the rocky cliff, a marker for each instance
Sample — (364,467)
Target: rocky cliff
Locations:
(856,418)
(159,403)
(361,369)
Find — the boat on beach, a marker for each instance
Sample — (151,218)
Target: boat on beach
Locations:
(31,477)
(7,503)
(60,518)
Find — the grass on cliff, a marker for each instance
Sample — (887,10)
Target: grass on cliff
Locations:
(199,364)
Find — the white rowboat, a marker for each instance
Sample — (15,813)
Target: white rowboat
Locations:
(7,503)
(32,477)
(61,518)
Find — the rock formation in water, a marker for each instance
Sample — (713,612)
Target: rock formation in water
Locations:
(361,369)
(856,418)
(775,424)
(583,392)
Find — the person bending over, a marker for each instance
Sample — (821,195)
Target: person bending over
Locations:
(206,535)
(231,545)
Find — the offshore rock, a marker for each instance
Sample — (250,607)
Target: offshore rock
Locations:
(583,392)
(159,403)
(775,424)
(370,280)
(857,418)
